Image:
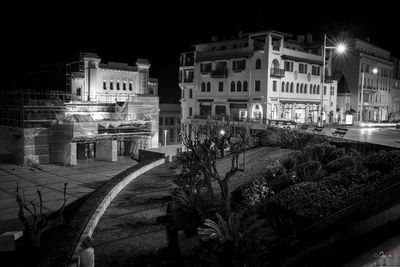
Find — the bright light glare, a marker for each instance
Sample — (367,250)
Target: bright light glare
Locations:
(341,48)
(222,132)
(375,70)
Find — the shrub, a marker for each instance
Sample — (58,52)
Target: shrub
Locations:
(383,161)
(267,138)
(190,208)
(319,152)
(281,182)
(338,153)
(289,162)
(339,163)
(309,171)
(310,200)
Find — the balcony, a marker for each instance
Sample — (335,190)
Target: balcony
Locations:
(328,79)
(188,80)
(222,73)
(278,73)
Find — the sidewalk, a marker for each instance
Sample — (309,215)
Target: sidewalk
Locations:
(82,179)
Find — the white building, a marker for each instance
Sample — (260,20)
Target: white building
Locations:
(262,75)
(92,80)
(370,97)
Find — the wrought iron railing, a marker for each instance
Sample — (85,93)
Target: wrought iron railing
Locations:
(275,72)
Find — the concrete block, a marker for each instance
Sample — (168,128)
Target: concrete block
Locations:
(8,239)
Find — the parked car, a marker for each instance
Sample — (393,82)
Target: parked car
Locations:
(282,124)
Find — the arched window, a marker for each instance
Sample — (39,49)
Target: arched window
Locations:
(232,86)
(245,85)
(257,112)
(283,87)
(203,87)
(291,87)
(258,64)
(318,90)
(301,88)
(190,93)
(297,87)
(305,88)
(287,87)
(275,64)
(208,87)
(239,86)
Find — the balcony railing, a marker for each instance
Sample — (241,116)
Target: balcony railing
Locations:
(328,79)
(188,80)
(205,71)
(277,72)
(223,73)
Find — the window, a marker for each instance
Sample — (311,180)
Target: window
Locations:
(208,87)
(258,64)
(318,90)
(220,86)
(111,85)
(239,86)
(332,90)
(104,85)
(117,85)
(190,111)
(239,65)
(78,91)
(297,88)
(232,86)
(257,86)
(205,68)
(245,86)
(288,66)
(190,93)
(315,70)
(203,87)
(302,68)
(124,86)
(130,86)
(287,87)
(324,90)
(283,87)
(305,88)
(274,86)
(291,87)
(161,121)
(301,88)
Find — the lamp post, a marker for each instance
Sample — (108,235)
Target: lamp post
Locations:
(340,48)
(374,71)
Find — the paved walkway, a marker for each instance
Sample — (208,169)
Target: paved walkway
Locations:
(82,179)
(381,136)
(128,227)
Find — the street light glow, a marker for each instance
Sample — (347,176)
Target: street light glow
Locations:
(222,132)
(341,48)
(375,70)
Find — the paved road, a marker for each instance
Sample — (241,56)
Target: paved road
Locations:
(82,179)
(382,136)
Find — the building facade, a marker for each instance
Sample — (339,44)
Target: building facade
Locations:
(109,110)
(258,76)
(368,70)
(170,124)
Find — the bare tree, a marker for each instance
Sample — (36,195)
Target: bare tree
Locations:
(36,222)
(202,142)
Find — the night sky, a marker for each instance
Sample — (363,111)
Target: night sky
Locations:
(47,33)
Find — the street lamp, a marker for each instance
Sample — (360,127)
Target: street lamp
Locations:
(340,48)
(374,71)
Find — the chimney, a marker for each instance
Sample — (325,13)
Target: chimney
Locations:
(309,38)
(240,34)
(214,38)
(300,38)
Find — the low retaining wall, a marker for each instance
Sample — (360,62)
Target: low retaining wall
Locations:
(94,219)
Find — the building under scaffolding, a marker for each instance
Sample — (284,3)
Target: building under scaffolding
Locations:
(86,122)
